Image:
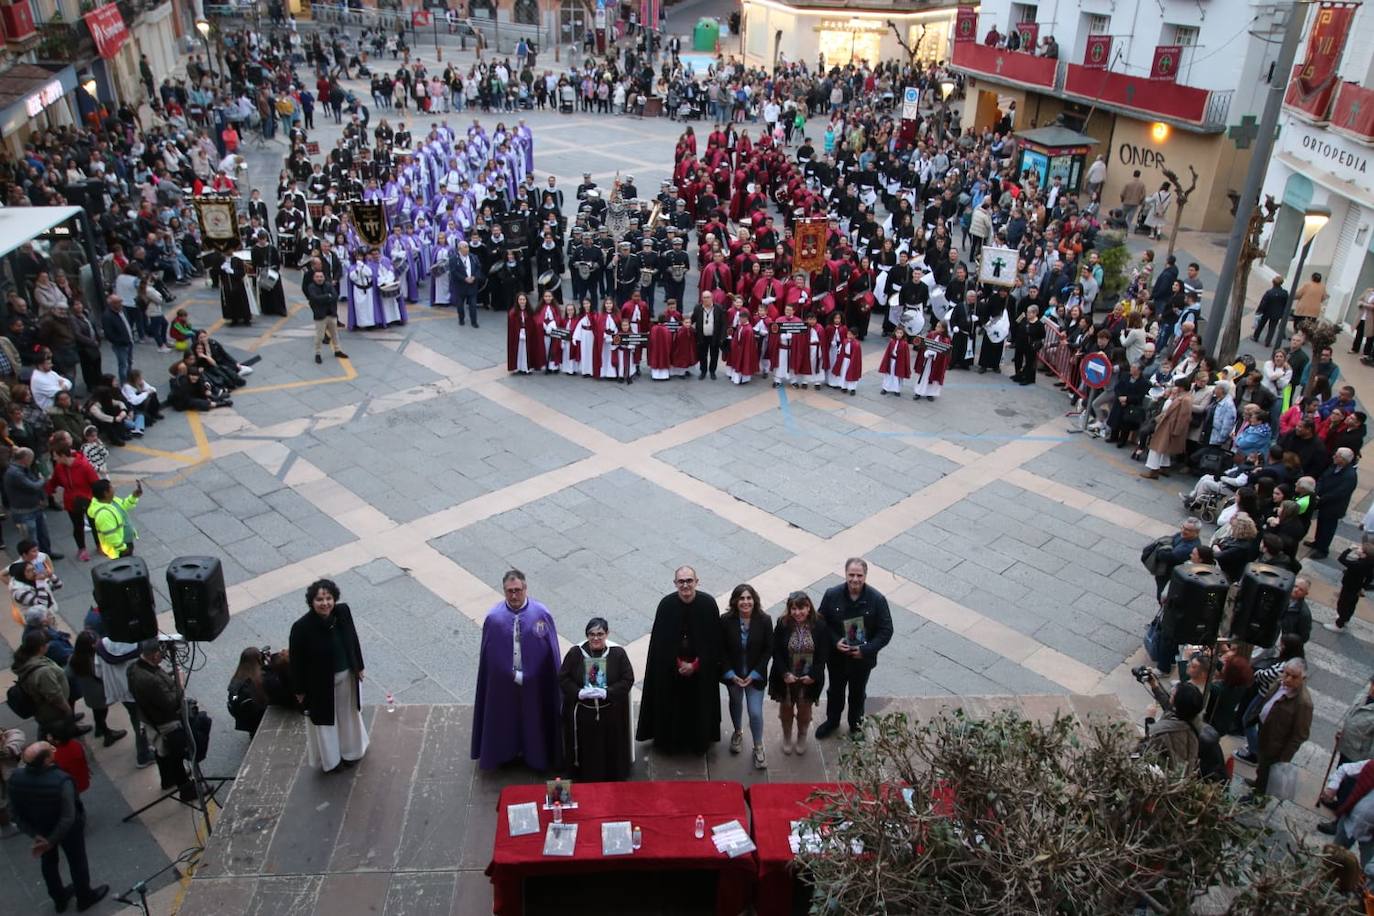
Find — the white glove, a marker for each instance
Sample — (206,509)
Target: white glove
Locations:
(519,678)
(592,693)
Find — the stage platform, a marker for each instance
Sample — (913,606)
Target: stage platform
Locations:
(409,831)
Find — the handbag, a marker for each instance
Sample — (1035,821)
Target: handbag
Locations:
(1153,638)
(1283,781)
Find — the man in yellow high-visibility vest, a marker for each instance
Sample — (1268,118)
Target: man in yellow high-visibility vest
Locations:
(109,515)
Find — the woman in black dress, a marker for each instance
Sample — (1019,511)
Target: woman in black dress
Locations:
(271,294)
(326,676)
(596,678)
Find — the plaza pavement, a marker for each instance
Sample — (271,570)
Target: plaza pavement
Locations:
(415,472)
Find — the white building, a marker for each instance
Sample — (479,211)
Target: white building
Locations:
(1324,160)
(1196,116)
(840,31)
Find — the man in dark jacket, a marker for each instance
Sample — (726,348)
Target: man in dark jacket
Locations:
(859,621)
(1164,283)
(1296,619)
(1269,310)
(44,804)
(158,697)
(1283,721)
(709,325)
(27,499)
(1334,490)
(119,334)
(323,297)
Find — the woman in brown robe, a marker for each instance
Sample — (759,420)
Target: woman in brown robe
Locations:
(596,678)
(1171,431)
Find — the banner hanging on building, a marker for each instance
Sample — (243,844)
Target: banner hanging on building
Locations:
(1030,34)
(108,29)
(966,24)
(649,14)
(1314,80)
(1098,53)
(1165,63)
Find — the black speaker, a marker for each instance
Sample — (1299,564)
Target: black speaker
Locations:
(1263,596)
(199,605)
(125,598)
(1197,601)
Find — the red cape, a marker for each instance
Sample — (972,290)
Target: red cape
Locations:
(896,359)
(534,339)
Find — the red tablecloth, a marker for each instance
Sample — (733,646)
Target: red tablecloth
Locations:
(666,813)
(775,806)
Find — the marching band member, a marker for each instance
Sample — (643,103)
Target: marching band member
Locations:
(267,262)
(675,264)
(661,350)
(441,288)
(608,330)
(931,363)
(808,355)
(849,362)
(896,363)
(524,338)
(586,339)
(834,335)
(387,294)
(364,308)
(780,347)
(572,348)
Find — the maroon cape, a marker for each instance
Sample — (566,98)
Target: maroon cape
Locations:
(534,339)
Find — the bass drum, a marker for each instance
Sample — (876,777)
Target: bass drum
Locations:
(999,329)
(939,304)
(914,322)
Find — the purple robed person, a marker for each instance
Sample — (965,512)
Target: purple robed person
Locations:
(527,145)
(518,706)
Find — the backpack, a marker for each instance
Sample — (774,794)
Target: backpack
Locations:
(19,701)
(245,709)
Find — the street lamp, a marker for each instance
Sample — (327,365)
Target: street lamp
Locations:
(90,87)
(1314,220)
(203,27)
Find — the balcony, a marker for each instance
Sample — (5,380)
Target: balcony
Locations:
(1352,113)
(1201,110)
(68,42)
(20,33)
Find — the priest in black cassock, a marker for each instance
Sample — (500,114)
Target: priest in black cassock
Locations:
(680,709)
(233,292)
(271,295)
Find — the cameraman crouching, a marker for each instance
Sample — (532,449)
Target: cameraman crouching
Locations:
(158,696)
(1175,736)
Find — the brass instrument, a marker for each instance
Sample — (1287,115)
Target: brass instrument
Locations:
(655,216)
(646,276)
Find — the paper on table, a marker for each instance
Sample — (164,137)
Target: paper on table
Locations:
(560,840)
(523,818)
(616,839)
(732,839)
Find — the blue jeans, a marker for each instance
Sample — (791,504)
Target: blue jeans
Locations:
(33,525)
(753,696)
(124,359)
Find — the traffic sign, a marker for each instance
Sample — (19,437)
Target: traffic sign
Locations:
(910,104)
(1097,370)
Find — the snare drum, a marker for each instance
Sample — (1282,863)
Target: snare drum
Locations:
(390,290)
(270,278)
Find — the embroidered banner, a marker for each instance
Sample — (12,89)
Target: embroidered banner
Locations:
(1165,63)
(966,24)
(1030,34)
(1098,53)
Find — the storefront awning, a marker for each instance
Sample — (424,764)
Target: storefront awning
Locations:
(22,224)
(1055,137)
(27,89)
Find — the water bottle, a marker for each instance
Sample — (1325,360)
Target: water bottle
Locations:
(558,812)
(390,702)
(700,830)
(636,837)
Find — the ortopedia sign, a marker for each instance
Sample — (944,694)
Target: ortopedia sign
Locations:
(1332,153)
(108,29)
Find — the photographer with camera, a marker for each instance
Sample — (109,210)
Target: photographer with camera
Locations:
(158,695)
(262,679)
(1174,737)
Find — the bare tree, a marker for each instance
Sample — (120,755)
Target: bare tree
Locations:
(1183,196)
(1250,251)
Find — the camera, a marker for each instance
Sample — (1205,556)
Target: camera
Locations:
(1142,673)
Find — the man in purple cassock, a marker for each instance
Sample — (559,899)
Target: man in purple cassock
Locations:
(527,144)
(517,711)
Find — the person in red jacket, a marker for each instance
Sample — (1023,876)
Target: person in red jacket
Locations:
(70,756)
(896,363)
(75,476)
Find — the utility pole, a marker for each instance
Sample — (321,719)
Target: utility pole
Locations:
(1254,176)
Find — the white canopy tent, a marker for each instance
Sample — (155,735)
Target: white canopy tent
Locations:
(24,224)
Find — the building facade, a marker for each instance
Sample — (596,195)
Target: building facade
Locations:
(1159,84)
(837,32)
(61,58)
(1324,157)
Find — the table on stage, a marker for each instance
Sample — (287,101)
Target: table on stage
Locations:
(775,806)
(666,814)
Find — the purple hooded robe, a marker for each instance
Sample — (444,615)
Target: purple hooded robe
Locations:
(511,719)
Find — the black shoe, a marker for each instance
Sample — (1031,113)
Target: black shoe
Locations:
(318,359)
(68,893)
(713,376)
(97,895)
(474,325)
(57,556)
(826,729)
(114,734)
(1327,827)
(1317,555)
(701,375)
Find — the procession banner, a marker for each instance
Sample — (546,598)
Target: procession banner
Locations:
(1164,67)
(997,266)
(369,218)
(808,235)
(966,24)
(1316,80)
(1030,34)
(219,223)
(1098,52)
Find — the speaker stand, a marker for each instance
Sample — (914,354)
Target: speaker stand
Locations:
(204,796)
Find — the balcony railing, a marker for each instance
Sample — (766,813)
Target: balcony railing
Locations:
(64,41)
(1190,105)
(1353,112)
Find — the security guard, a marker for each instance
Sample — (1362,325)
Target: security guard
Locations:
(109,515)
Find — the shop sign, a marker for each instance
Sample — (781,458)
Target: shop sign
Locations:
(1331,153)
(108,30)
(44,97)
(850,25)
